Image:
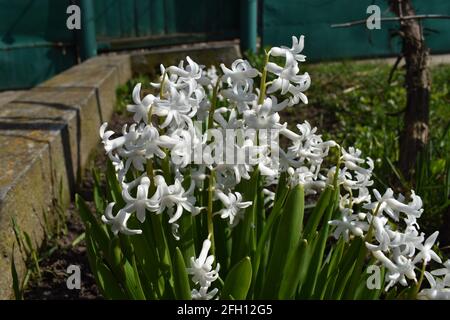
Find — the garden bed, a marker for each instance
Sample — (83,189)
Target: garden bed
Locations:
(346,101)
(67,248)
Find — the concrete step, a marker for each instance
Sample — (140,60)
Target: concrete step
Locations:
(48,133)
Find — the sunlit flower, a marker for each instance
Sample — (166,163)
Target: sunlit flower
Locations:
(141,108)
(426,253)
(391,206)
(141,203)
(233,206)
(439,290)
(201,268)
(118,223)
(169,197)
(398,270)
(348,224)
(203,293)
(291,54)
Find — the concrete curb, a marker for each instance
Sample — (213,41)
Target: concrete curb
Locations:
(48,133)
(46,136)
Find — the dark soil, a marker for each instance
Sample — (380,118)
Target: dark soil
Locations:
(59,253)
(52,284)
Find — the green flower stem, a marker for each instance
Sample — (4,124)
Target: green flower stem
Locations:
(210,212)
(156,223)
(161,87)
(419,284)
(213,104)
(369,233)
(262,89)
(150,174)
(166,167)
(211,181)
(338,167)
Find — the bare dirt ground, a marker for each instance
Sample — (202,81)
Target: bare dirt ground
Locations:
(53,283)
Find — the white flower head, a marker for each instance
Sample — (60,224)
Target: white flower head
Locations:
(201,268)
(203,294)
(233,207)
(426,253)
(118,223)
(141,108)
(439,289)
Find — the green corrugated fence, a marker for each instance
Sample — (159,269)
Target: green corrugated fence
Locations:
(36,44)
(312,18)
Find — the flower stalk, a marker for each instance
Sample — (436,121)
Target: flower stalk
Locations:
(263,85)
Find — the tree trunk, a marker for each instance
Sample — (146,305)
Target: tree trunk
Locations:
(414,136)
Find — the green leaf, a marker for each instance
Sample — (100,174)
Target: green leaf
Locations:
(357,274)
(98,234)
(186,242)
(147,259)
(244,233)
(108,283)
(346,266)
(336,257)
(99,201)
(317,213)
(294,271)
(271,222)
(131,280)
(18,294)
(329,287)
(319,247)
(180,277)
(286,240)
(115,192)
(238,281)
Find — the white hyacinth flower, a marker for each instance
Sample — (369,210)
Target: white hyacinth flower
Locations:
(291,54)
(171,197)
(118,223)
(262,117)
(141,108)
(397,270)
(348,224)
(203,293)
(439,290)
(426,253)
(233,207)
(201,268)
(391,206)
(141,203)
(443,272)
(241,72)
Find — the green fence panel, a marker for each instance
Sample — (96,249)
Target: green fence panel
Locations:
(127,19)
(34,41)
(142,18)
(101,27)
(171,24)
(157,13)
(313,18)
(111,10)
(36,44)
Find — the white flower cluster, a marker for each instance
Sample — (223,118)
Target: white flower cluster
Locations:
(195,109)
(164,126)
(439,280)
(391,222)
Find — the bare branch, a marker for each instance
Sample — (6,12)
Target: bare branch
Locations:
(394,67)
(418,17)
